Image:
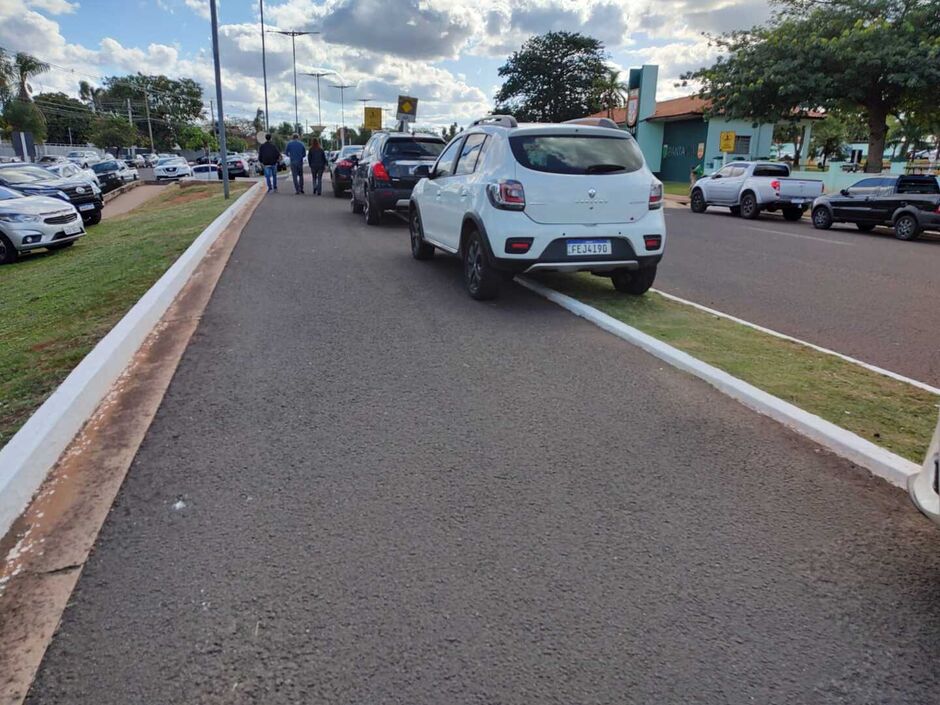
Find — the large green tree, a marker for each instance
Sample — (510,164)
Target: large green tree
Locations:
(874,56)
(67,120)
(552,78)
(173,103)
(111,133)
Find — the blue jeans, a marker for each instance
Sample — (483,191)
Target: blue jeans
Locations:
(317,180)
(297,176)
(270,177)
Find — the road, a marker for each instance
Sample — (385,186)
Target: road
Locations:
(862,294)
(364,487)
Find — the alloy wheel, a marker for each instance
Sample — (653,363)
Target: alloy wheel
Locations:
(474,264)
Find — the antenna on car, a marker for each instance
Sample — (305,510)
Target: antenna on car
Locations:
(501,120)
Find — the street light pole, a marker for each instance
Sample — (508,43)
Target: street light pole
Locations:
(264,70)
(223,152)
(293,34)
(318,74)
(342,108)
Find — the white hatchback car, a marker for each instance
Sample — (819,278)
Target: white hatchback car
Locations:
(567,197)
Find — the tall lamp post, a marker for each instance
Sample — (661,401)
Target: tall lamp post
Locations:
(318,74)
(264,70)
(223,152)
(342,108)
(293,34)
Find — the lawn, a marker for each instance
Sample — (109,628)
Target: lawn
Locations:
(676,188)
(892,414)
(58,305)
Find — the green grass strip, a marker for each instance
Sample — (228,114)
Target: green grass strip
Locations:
(676,188)
(58,305)
(892,414)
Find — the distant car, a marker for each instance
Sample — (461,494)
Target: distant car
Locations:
(150,160)
(748,188)
(342,167)
(31,180)
(238,166)
(83,157)
(68,170)
(113,173)
(51,159)
(172,168)
(35,222)
(206,172)
(909,204)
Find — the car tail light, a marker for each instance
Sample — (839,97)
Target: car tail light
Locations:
(379,172)
(507,194)
(652,242)
(518,245)
(344,164)
(656,196)
(775,185)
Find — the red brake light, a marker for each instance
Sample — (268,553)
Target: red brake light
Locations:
(652,242)
(775,185)
(507,194)
(379,172)
(656,196)
(518,245)
(344,163)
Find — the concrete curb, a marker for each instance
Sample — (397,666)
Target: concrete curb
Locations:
(35,448)
(124,188)
(878,461)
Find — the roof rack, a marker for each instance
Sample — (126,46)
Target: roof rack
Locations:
(595,122)
(501,120)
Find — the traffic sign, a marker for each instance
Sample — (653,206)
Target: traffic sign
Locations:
(726,141)
(407,108)
(372,120)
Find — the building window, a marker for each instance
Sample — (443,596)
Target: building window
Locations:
(742,144)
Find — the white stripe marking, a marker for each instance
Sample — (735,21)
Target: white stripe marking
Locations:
(802,237)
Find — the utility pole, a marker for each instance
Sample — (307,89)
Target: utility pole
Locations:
(264,71)
(149,126)
(130,120)
(317,75)
(223,153)
(342,110)
(293,34)
(70,135)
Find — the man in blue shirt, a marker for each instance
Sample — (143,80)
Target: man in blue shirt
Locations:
(296,151)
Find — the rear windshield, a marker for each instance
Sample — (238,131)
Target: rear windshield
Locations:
(924,185)
(772,170)
(104,166)
(21,176)
(577,154)
(413,148)
(348,151)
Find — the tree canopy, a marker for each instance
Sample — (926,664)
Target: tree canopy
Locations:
(67,120)
(552,78)
(173,103)
(112,133)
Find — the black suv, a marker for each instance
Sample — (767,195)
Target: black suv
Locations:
(909,204)
(384,174)
(35,181)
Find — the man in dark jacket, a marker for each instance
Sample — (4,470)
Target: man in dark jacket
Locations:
(269,156)
(296,151)
(316,158)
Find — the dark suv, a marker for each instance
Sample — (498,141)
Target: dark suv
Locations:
(384,174)
(32,180)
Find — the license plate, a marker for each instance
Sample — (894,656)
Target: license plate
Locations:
(73,229)
(798,201)
(87,207)
(578,248)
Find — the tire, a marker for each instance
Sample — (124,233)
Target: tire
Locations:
(420,249)
(822,218)
(792,214)
(92,218)
(60,245)
(355,205)
(749,208)
(906,227)
(698,204)
(481,280)
(865,227)
(371,211)
(636,282)
(8,253)
(337,191)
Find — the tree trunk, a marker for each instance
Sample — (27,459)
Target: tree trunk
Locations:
(877,131)
(798,140)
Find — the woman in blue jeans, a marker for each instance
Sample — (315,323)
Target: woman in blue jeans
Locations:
(316,158)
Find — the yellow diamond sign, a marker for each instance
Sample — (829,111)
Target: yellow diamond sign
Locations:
(407,108)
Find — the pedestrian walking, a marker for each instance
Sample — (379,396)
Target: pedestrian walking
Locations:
(269,156)
(296,151)
(316,158)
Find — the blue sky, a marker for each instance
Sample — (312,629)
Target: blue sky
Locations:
(445,52)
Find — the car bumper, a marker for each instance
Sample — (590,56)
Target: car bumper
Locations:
(929,221)
(390,199)
(35,236)
(781,203)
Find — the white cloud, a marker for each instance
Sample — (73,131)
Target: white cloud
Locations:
(54,7)
(200,7)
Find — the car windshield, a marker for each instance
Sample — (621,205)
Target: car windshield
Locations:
(577,154)
(414,148)
(7,194)
(350,150)
(23,175)
(167,160)
(104,166)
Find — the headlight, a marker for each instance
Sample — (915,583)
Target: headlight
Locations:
(18,218)
(62,194)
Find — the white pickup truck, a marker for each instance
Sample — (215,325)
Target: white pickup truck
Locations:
(751,187)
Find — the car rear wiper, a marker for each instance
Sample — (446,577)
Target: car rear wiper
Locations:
(601,168)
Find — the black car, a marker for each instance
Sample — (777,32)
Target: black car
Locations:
(111,174)
(35,181)
(342,167)
(910,204)
(384,174)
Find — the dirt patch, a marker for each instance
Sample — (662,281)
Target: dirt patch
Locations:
(189,197)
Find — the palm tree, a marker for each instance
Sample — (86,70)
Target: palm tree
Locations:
(90,95)
(27,66)
(611,91)
(7,76)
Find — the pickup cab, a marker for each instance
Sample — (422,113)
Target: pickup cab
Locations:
(748,188)
(909,204)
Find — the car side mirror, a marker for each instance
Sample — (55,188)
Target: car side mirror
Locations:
(423,171)
(716,176)
(844,192)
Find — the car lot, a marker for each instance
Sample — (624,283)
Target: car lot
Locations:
(867,295)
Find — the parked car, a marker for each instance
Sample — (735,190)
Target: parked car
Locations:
(172,168)
(207,172)
(31,180)
(341,168)
(150,160)
(113,173)
(35,222)
(383,174)
(83,157)
(509,198)
(68,170)
(51,159)
(748,188)
(238,166)
(909,204)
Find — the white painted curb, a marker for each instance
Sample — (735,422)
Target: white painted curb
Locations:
(877,460)
(34,449)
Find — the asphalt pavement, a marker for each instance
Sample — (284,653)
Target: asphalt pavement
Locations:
(867,295)
(364,487)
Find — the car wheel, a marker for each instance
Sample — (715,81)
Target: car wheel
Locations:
(792,214)
(8,253)
(865,227)
(355,205)
(419,248)
(906,227)
(481,280)
(822,218)
(61,245)
(371,211)
(698,204)
(635,282)
(337,191)
(92,218)
(749,208)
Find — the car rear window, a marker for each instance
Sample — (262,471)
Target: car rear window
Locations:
(918,185)
(577,154)
(778,170)
(416,148)
(104,166)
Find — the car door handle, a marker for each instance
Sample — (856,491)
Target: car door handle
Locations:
(464,193)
